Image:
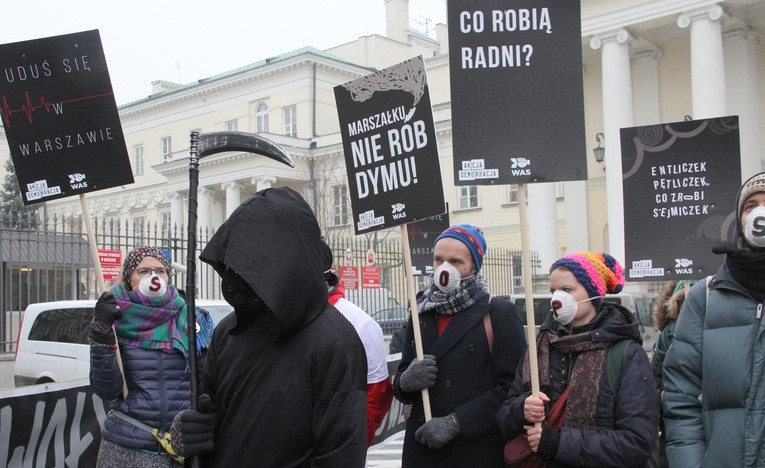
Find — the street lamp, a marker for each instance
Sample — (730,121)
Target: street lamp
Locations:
(599,152)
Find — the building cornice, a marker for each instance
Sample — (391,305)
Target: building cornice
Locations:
(240,79)
(123,201)
(182,165)
(285,173)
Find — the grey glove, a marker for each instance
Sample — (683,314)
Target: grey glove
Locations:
(192,431)
(438,431)
(419,374)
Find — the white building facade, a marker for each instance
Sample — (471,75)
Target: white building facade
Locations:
(644,62)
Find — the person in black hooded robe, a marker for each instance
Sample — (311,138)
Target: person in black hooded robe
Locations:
(285,373)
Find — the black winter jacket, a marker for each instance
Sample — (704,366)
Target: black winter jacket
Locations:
(472,382)
(288,382)
(626,429)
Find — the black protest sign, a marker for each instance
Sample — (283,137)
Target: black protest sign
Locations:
(391,153)
(60,117)
(56,424)
(516,86)
(680,182)
(422,236)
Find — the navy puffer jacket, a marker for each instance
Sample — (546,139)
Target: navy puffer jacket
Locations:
(158,388)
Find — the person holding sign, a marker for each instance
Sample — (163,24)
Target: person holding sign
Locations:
(286,374)
(664,311)
(598,404)
(379,387)
(714,384)
(472,346)
(149,318)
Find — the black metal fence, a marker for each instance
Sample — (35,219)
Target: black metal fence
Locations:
(49,260)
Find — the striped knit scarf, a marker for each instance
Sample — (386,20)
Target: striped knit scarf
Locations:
(585,378)
(469,292)
(151,322)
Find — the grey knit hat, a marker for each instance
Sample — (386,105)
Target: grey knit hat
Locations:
(754,185)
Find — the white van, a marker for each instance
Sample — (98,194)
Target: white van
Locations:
(638,303)
(371,300)
(53,340)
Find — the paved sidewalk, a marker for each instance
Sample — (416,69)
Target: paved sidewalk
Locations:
(386,454)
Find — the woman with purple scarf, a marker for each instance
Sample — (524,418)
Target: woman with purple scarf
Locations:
(145,316)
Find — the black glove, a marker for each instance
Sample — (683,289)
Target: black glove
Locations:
(438,431)
(192,430)
(106,312)
(419,374)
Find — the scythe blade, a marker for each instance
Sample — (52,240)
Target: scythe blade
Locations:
(218,142)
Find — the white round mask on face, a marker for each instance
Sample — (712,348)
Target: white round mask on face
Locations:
(564,306)
(754,227)
(152,285)
(446,277)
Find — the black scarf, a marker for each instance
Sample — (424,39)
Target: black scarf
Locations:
(746,266)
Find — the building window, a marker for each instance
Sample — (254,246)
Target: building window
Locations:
(290,121)
(232,125)
(138,159)
(512,193)
(138,230)
(468,195)
(261,118)
(167,149)
(339,205)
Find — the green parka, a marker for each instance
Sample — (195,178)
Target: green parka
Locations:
(714,379)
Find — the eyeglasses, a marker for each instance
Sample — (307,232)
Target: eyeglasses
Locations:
(147,271)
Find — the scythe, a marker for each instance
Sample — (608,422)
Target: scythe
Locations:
(202,145)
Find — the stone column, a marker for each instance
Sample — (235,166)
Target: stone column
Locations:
(617,113)
(262,183)
(203,209)
(741,79)
(543,223)
(217,211)
(233,196)
(575,209)
(707,65)
(645,75)
(177,218)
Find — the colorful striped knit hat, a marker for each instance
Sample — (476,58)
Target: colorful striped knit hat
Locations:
(599,273)
(134,258)
(472,237)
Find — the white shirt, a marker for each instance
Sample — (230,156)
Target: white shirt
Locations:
(371,337)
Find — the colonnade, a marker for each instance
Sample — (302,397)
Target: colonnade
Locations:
(723,81)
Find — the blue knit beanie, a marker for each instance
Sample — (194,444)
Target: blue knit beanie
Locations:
(472,237)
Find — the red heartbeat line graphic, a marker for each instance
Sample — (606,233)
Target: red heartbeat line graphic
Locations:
(416,232)
(28,108)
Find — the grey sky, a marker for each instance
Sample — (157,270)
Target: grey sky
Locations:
(185,40)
